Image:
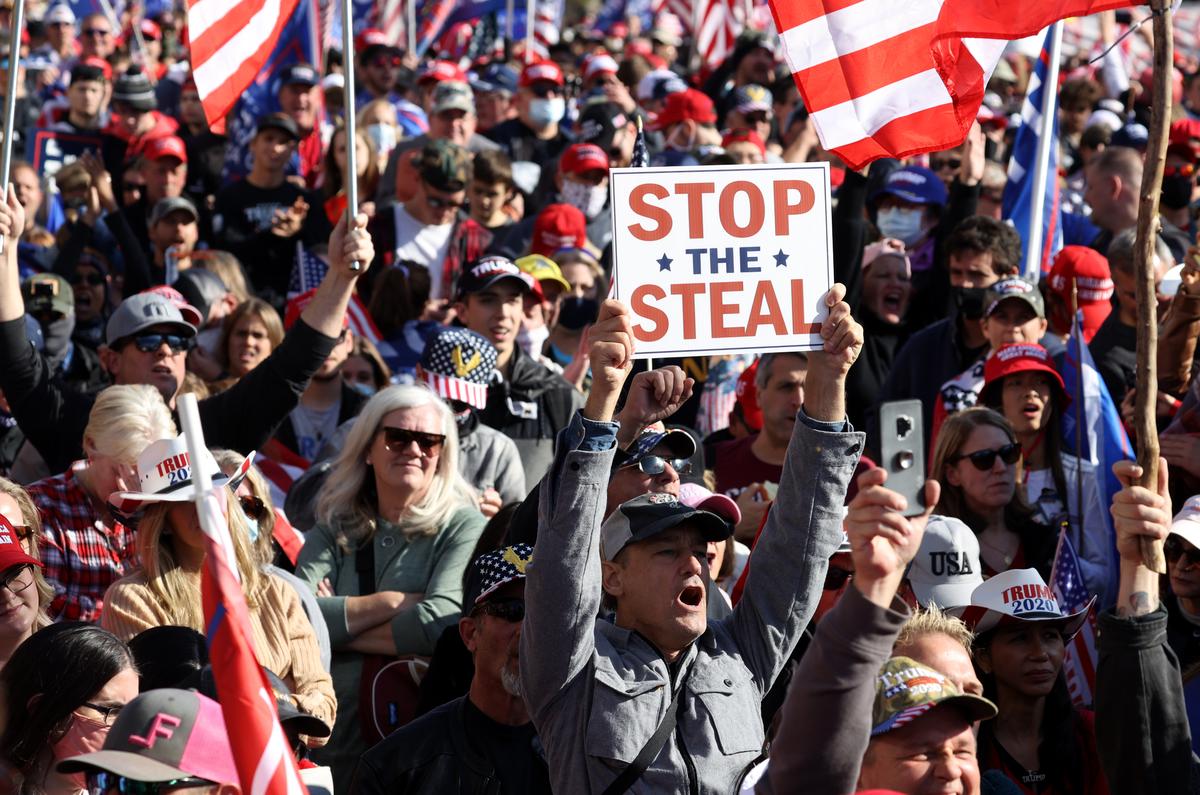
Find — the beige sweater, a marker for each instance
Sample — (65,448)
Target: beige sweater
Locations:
(282,635)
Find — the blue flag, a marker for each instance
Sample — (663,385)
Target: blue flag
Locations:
(1018,199)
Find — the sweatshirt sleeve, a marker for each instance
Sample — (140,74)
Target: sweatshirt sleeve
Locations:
(836,677)
(129,609)
(312,686)
(317,560)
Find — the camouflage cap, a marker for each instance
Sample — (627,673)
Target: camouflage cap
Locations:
(906,690)
(444,166)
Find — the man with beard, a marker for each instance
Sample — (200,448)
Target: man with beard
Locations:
(483,740)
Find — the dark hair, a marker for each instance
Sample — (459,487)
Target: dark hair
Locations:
(983,235)
(48,677)
(399,296)
(167,656)
(1095,137)
(333,173)
(1079,91)
(1059,756)
(492,166)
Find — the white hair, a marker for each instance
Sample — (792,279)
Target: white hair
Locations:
(125,420)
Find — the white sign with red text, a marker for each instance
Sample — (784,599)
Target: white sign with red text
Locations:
(722,259)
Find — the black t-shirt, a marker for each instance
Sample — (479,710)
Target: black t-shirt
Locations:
(1115,350)
(512,751)
(520,143)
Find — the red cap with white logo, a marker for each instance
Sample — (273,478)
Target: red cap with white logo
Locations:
(542,71)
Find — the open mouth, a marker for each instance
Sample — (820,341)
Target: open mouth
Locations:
(1031,410)
(892,302)
(692,596)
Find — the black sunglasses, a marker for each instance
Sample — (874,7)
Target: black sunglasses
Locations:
(940,163)
(512,610)
(90,279)
(253,507)
(835,578)
(984,459)
(149,343)
(397,440)
(439,203)
(101,782)
(656,465)
(543,90)
(1175,548)
(95,32)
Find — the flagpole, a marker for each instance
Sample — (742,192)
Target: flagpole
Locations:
(529,5)
(410,24)
(193,434)
(1041,165)
(509,10)
(351,175)
(1080,409)
(1144,419)
(10,98)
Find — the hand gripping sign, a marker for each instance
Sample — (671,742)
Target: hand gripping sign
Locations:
(722,259)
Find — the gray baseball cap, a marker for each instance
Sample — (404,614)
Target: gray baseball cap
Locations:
(648,515)
(165,207)
(1014,287)
(142,311)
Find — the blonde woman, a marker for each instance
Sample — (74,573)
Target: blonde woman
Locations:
(83,543)
(166,590)
(248,335)
(394,498)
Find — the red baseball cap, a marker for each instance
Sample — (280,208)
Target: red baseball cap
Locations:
(581,158)
(1090,272)
(747,397)
(1185,139)
(190,313)
(541,71)
(11,551)
(744,136)
(442,72)
(372,37)
(558,226)
(599,64)
(167,146)
(99,63)
(151,30)
(685,105)
(296,304)
(1021,357)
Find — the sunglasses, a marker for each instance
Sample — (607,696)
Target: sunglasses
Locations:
(90,279)
(253,507)
(543,90)
(984,459)
(940,163)
(96,32)
(440,203)
(149,343)
(101,782)
(108,714)
(386,60)
(756,117)
(397,440)
(1186,170)
(511,610)
(1175,548)
(836,578)
(656,465)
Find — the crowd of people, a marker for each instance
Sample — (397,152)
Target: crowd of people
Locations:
(484,548)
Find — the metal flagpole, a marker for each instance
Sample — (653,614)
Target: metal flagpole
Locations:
(410,25)
(10,97)
(193,434)
(1041,166)
(509,10)
(529,6)
(351,175)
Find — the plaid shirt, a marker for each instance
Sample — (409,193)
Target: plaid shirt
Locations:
(83,553)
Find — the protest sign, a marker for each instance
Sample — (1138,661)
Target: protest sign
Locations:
(722,259)
(53,150)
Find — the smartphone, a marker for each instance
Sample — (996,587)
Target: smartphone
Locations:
(902,450)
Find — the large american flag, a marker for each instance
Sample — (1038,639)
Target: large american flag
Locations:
(892,78)
(1066,580)
(229,42)
(717,33)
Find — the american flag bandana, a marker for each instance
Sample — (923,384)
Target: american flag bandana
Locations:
(458,363)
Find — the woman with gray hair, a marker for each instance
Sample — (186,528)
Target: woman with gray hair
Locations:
(396,524)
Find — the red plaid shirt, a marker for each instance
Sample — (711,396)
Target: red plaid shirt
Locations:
(83,553)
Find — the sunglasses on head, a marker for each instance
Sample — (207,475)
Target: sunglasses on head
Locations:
(90,279)
(253,507)
(397,440)
(543,90)
(656,465)
(149,343)
(512,610)
(102,782)
(1175,548)
(835,578)
(948,162)
(441,203)
(984,459)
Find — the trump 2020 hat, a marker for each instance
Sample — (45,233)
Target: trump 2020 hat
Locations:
(1019,595)
(458,363)
(492,570)
(164,735)
(492,270)
(648,515)
(1016,288)
(164,471)
(946,571)
(905,690)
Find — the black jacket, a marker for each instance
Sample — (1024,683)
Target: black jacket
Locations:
(242,418)
(435,754)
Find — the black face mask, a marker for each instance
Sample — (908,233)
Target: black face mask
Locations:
(1177,191)
(969,301)
(58,336)
(575,313)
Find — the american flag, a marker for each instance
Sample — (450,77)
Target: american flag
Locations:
(719,394)
(307,272)
(392,21)
(641,157)
(1066,580)
(431,18)
(718,31)
(229,42)
(1018,191)
(888,79)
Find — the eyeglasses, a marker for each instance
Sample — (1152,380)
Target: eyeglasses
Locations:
(992,195)
(397,440)
(108,714)
(1175,548)
(656,465)
(937,164)
(835,578)
(511,610)
(756,117)
(18,579)
(90,279)
(442,203)
(101,782)
(149,343)
(1186,170)
(99,32)
(384,60)
(253,507)
(543,90)
(984,459)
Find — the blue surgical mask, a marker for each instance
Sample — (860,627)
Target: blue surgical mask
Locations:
(252,528)
(366,390)
(902,224)
(383,136)
(544,112)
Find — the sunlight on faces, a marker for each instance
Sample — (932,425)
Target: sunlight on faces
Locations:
(487,202)
(1185,572)
(362,154)
(660,588)
(249,345)
(495,643)
(1013,320)
(783,396)
(1025,659)
(406,471)
(1026,399)
(164,178)
(887,288)
(300,102)
(630,481)
(945,655)
(18,611)
(581,278)
(496,313)
(162,368)
(988,491)
(86,98)
(932,755)
(455,125)
(28,189)
(972,269)
(272,149)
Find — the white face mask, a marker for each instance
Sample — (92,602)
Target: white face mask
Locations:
(588,199)
(531,340)
(544,112)
(383,136)
(901,224)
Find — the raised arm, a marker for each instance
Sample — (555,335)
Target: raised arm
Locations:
(562,591)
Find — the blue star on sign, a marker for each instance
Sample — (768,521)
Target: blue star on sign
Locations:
(664,263)
(781,259)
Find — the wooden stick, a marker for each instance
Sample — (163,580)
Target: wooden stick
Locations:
(1143,258)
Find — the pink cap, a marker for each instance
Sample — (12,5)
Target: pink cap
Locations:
(696,496)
